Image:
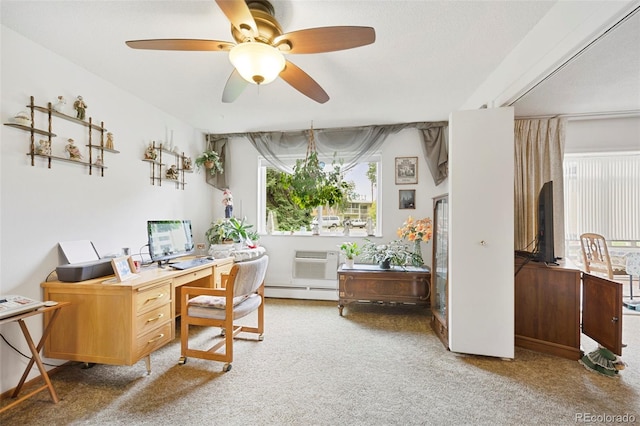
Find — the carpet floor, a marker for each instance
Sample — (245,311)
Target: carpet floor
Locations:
(377,365)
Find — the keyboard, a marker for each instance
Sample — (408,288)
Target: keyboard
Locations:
(191,263)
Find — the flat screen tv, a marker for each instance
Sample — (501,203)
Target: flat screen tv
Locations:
(169,239)
(544,230)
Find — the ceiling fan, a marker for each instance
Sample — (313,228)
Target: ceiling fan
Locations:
(257,55)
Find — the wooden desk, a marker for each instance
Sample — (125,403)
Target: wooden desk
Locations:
(53,312)
(369,283)
(121,323)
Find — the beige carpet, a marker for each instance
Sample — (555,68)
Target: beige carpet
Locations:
(377,365)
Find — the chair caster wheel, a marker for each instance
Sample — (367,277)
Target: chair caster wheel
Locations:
(261,337)
(226,367)
(182,360)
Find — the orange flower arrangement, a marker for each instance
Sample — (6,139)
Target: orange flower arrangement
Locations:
(416,230)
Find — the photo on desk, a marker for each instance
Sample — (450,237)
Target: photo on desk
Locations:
(123,267)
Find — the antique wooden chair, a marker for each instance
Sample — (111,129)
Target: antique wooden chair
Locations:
(242,294)
(595,254)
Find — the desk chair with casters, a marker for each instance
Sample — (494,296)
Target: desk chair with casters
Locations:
(243,293)
(595,255)
(632,268)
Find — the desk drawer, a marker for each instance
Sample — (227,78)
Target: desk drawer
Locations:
(191,276)
(153,298)
(150,320)
(149,342)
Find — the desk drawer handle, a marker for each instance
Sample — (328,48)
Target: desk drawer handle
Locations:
(155,339)
(160,296)
(156,318)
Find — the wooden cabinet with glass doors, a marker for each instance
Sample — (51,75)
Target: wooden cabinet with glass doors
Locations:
(440,271)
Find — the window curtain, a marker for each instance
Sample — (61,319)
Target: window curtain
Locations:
(219,145)
(350,144)
(539,151)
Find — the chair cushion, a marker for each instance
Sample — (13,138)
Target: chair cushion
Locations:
(217,302)
(244,307)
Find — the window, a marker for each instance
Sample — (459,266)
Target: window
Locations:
(362,202)
(602,195)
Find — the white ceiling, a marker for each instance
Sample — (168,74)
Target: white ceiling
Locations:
(428,58)
(603,78)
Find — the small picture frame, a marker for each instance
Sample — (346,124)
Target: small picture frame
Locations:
(407,198)
(123,267)
(406,170)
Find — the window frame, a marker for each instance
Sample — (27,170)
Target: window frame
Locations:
(261,215)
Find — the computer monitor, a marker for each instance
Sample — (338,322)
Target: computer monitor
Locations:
(169,239)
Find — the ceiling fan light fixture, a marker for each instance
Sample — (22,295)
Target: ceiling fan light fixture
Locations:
(258,63)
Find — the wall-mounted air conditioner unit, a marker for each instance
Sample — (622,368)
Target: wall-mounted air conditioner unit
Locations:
(315,265)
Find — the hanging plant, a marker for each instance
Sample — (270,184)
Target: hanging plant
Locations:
(210,160)
(312,186)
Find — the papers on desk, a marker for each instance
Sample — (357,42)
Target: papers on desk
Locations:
(13,305)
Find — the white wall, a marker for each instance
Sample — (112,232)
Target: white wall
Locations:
(603,134)
(41,206)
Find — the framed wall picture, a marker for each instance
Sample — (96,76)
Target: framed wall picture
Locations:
(406,170)
(123,267)
(407,198)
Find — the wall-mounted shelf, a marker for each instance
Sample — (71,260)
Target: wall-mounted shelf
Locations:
(50,112)
(159,166)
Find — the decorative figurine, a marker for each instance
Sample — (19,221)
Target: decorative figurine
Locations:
(80,108)
(109,140)
(44,147)
(22,118)
(172,172)
(59,105)
(98,161)
(347,227)
(227,200)
(74,152)
(150,153)
(187,163)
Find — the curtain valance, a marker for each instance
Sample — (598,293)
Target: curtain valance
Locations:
(351,144)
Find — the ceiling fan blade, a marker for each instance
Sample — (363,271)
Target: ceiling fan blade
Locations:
(234,87)
(302,82)
(180,44)
(238,13)
(325,39)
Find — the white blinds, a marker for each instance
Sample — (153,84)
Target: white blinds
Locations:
(602,195)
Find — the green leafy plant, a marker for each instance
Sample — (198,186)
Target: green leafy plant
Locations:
(350,249)
(218,232)
(231,229)
(237,230)
(312,186)
(211,161)
(395,252)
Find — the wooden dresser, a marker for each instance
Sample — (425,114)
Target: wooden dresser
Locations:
(121,323)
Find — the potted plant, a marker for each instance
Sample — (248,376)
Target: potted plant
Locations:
(218,233)
(386,255)
(237,230)
(312,186)
(210,160)
(350,249)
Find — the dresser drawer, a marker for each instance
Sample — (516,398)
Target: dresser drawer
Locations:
(149,342)
(191,276)
(149,320)
(152,298)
